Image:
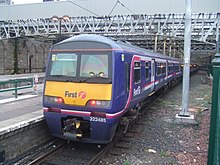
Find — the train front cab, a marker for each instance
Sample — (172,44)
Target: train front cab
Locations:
(78,96)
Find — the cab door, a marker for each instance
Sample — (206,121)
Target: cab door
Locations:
(152,75)
(127,77)
(167,74)
(137,78)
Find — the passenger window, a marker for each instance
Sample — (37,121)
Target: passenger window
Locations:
(158,69)
(161,68)
(177,67)
(170,67)
(137,72)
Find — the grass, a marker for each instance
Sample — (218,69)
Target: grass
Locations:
(164,154)
(126,163)
(167,102)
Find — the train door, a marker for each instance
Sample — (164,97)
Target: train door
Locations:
(127,70)
(166,78)
(152,75)
(137,78)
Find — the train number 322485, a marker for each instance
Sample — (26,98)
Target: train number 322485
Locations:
(98,119)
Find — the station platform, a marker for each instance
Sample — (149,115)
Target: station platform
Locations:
(19,76)
(24,110)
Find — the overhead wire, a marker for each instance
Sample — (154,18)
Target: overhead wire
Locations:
(118,2)
(113,8)
(125,7)
(82,7)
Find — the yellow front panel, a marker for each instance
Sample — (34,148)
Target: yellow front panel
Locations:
(78,93)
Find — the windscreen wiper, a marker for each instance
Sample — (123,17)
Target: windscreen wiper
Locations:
(66,78)
(59,76)
(95,77)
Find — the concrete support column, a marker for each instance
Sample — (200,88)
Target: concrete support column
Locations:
(164,46)
(4,55)
(155,43)
(170,47)
(186,69)
(15,60)
(43,57)
(184,116)
(28,58)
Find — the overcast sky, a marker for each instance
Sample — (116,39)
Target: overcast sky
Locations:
(27,1)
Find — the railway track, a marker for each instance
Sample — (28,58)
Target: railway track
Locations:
(73,153)
(69,153)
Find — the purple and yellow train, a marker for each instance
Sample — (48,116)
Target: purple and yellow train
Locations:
(92,82)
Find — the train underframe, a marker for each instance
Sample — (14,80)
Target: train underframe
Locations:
(81,129)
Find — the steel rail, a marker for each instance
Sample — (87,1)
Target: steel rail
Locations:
(45,156)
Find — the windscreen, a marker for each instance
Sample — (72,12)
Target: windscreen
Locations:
(87,67)
(63,64)
(94,65)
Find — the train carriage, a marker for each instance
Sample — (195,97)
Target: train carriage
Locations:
(92,81)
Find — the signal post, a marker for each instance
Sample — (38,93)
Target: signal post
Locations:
(214,134)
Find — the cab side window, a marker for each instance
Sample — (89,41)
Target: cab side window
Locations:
(147,70)
(127,69)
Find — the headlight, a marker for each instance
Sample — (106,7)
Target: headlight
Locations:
(98,103)
(54,99)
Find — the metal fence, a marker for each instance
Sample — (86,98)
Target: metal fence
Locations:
(16,84)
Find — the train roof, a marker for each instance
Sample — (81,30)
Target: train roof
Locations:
(114,44)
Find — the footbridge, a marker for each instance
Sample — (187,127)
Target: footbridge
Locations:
(159,32)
